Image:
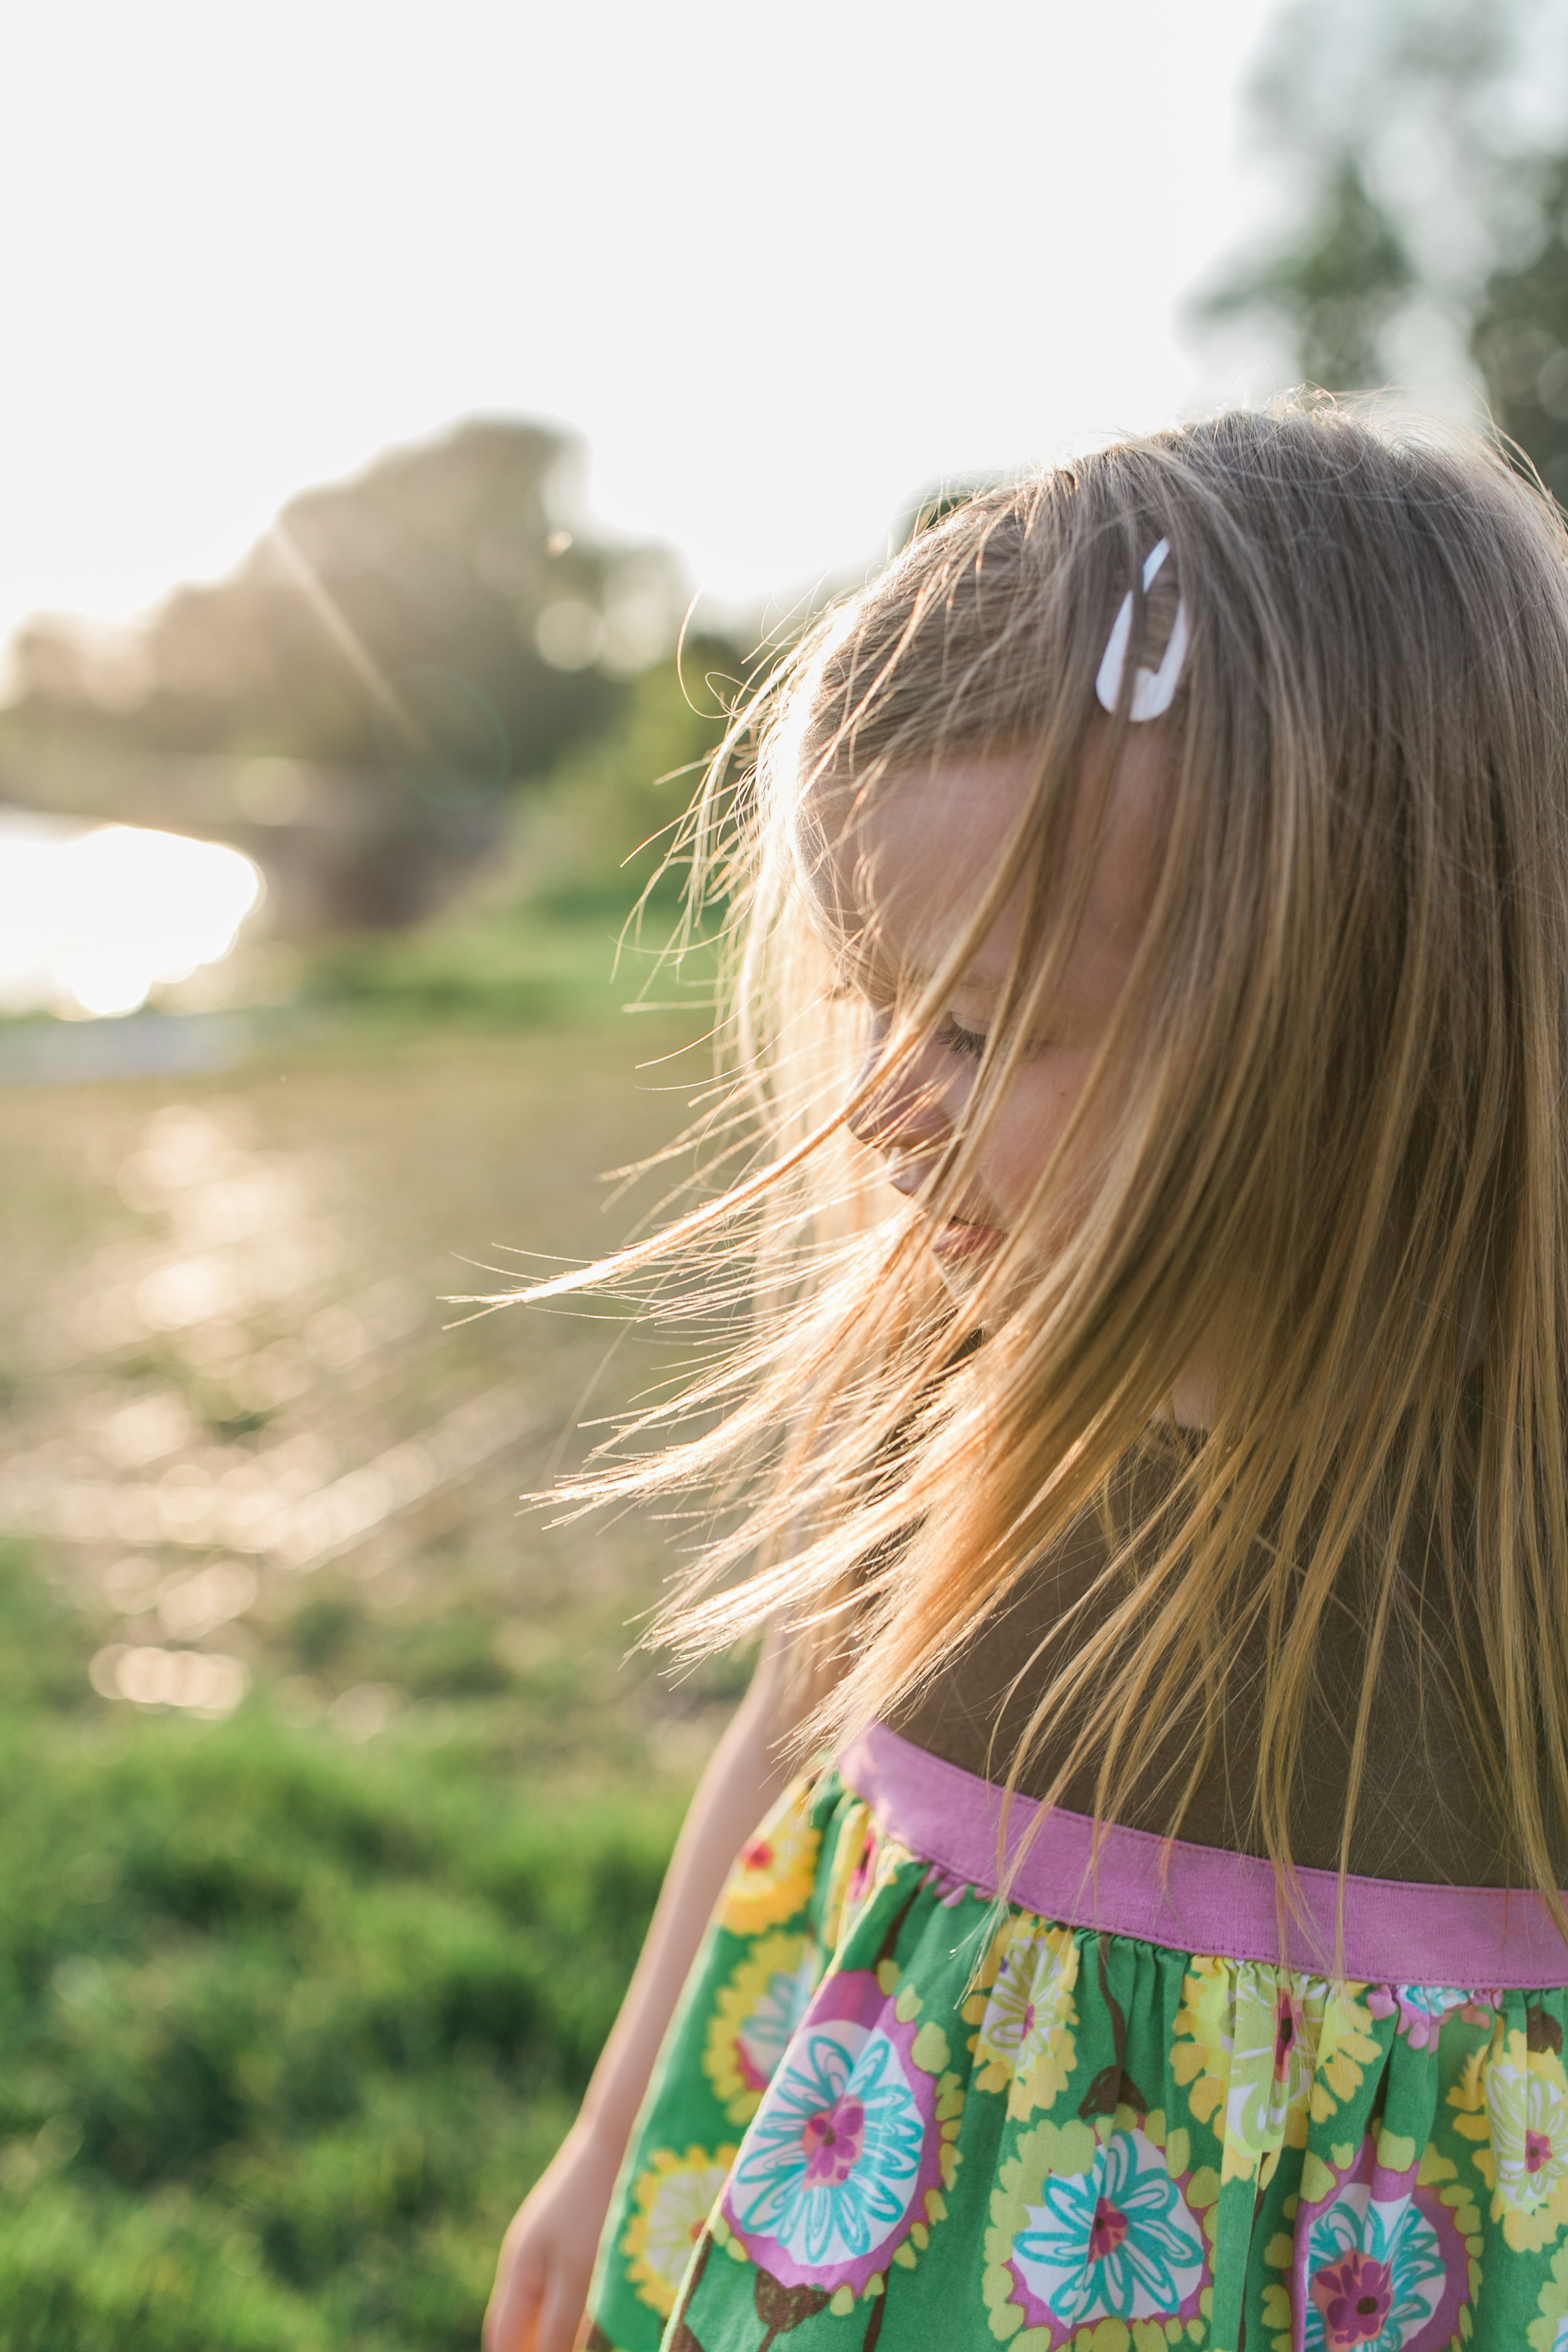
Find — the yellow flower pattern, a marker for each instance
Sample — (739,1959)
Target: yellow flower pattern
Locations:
(1514,2105)
(1264,2054)
(774,1871)
(755,2016)
(671,2201)
(1205,2035)
(1025,2044)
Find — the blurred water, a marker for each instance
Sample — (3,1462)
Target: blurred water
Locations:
(233,1391)
(49,1053)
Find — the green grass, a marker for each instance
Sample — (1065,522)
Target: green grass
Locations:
(493,966)
(286,2028)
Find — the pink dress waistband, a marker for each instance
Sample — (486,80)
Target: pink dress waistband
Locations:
(1200,1898)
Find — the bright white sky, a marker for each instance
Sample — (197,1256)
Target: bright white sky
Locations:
(780,267)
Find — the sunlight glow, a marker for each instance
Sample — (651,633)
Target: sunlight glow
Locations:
(279,325)
(92,919)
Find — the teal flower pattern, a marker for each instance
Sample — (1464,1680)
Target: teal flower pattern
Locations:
(1116,2243)
(1381,2267)
(843,2141)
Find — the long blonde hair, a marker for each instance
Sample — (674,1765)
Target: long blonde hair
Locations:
(1341,1072)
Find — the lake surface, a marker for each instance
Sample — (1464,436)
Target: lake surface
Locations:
(238,1408)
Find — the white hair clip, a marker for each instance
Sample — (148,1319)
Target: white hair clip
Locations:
(1153,690)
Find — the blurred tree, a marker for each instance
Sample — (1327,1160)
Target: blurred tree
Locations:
(598,830)
(1336,285)
(1426,142)
(1520,334)
(538,940)
(430,618)
(355,701)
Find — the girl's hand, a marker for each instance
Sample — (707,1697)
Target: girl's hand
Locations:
(547,2254)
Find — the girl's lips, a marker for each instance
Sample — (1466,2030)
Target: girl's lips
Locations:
(956,1239)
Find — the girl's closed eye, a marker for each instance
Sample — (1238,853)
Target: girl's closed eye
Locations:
(969,1044)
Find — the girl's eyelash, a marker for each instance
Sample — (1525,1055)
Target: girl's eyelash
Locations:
(970,1043)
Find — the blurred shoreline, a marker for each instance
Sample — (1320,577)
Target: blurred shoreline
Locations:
(45,1052)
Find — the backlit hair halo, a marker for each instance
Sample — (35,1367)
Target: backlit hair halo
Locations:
(1153,690)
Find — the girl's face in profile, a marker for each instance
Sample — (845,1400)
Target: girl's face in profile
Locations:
(901,881)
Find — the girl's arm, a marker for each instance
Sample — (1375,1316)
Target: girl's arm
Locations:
(547,2254)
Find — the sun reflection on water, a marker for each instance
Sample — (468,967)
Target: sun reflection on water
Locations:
(93,918)
(276,1421)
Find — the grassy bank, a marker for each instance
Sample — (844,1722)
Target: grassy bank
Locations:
(286,2024)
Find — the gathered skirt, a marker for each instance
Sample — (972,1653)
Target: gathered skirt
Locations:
(1134,2106)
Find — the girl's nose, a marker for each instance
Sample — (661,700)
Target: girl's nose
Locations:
(905,1112)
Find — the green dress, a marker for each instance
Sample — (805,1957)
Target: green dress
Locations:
(893,2109)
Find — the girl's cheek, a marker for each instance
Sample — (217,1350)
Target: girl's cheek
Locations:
(1044,1120)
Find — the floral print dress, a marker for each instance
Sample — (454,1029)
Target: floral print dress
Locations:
(894,2110)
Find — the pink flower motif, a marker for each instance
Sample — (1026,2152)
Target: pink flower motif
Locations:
(1378,2263)
(1354,2296)
(749,2072)
(1105,2230)
(1537,2149)
(832,2140)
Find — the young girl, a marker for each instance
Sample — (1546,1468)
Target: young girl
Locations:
(1148,1449)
